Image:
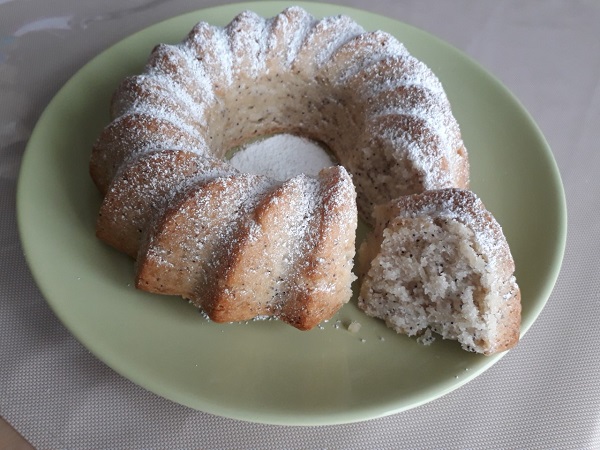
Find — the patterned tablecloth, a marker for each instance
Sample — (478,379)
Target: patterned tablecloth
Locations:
(543,394)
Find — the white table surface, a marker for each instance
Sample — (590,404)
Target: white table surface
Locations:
(543,394)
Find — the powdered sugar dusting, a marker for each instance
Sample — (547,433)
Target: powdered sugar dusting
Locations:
(281,157)
(358,53)
(210,47)
(248,39)
(147,91)
(341,27)
(178,62)
(323,39)
(288,32)
(141,192)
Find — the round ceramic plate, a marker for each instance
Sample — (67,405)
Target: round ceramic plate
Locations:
(267,371)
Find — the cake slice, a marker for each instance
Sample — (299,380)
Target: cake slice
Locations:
(439,262)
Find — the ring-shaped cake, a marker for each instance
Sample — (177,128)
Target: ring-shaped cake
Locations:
(238,245)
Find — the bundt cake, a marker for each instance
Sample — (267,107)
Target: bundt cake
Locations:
(438,261)
(240,245)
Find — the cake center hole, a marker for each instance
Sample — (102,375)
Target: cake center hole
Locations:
(281,157)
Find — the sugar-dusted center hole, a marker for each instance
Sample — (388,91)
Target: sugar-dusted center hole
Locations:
(282,156)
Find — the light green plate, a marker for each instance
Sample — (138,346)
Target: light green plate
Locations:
(267,371)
